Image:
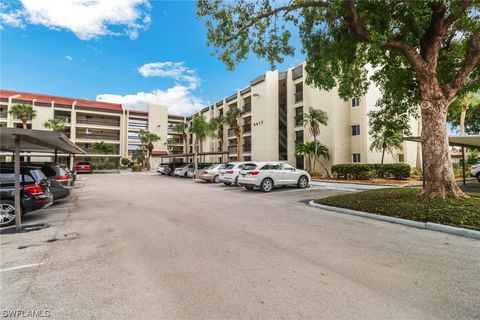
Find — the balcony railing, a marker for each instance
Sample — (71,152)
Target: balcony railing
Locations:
(3,114)
(247,148)
(247,128)
(93,151)
(111,123)
(247,108)
(98,136)
(231,132)
(299,96)
(232,149)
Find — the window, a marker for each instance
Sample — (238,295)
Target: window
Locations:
(299,137)
(356,130)
(401,157)
(284,166)
(355,157)
(247,158)
(355,102)
(298,116)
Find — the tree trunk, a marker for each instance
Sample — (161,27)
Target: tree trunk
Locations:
(438,170)
(239,136)
(383,155)
(24,124)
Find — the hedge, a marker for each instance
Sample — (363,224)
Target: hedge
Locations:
(368,171)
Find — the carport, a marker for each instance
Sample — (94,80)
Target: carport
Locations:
(17,140)
(463,141)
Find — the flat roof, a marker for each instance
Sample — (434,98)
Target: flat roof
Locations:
(468,141)
(37,141)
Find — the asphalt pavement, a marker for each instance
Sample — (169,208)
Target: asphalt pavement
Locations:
(143,246)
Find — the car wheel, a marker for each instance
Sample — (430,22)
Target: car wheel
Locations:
(226,183)
(248,187)
(478,177)
(266,185)
(236,182)
(7,213)
(185,175)
(302,182)
(215,179)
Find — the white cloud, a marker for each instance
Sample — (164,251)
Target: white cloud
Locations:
(168,69)
(68,58)
(178,99)
(87,19)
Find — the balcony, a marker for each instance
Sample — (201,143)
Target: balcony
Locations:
(247,128)
(67,120)
(231,132)
(247,148)
(232,149)
(247,108)
(99,122)
(299,96)
(3,114)
(98,136)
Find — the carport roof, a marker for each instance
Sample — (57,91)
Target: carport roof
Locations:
(468,141)
(37,140)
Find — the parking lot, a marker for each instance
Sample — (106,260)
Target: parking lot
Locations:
(143,246)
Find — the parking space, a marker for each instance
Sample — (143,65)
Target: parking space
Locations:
(147,246)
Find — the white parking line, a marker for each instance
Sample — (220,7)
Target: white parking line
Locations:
(22,267)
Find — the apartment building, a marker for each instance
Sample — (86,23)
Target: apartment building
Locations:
(87,122)
(273,106)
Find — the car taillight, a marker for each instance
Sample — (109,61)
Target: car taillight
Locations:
(229,171)
(33,190)
(253,173)
(64,178)
(205,171)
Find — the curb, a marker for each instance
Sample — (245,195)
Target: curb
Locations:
(415,224)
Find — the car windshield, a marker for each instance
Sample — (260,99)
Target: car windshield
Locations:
(83,164)
(249,166)
(229,166)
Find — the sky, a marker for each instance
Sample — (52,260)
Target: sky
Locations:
(133,52)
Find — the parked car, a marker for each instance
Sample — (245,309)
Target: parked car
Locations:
(59,178)
(169,168)
(190,173)
(210,173)
(161,169)
(229,174)
(72,173)
(34,192)
(475,171)
(84,167)
(182,171)
(267,175)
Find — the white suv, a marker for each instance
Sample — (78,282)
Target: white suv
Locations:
(266,175)
(475,172)
(229,174)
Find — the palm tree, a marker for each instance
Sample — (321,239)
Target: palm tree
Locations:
(182,127)
(147,139)
(303,149)
(24,112)
(201,129)
(468,100)
(321,151)
(55,124)
(216,130)
(103,148)
(387,139)
(313,119)
(233,117)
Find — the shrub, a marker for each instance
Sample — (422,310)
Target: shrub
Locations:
(136,167)
(369,171)
(125,162)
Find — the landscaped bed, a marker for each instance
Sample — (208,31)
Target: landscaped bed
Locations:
(408,204)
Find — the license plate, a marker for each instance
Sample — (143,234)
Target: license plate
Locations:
(243,175)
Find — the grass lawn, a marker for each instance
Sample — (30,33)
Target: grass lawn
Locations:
(408,204)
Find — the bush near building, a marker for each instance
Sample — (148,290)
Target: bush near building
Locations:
(370,171)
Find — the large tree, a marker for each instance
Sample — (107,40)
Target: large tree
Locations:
(312,120)
(421,53)
(201,130)
(24,112)
(147,139)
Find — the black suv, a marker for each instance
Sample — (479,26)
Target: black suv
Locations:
(60,179)
(34,192)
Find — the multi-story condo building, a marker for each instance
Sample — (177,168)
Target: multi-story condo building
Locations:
(88,122)
(271,125)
